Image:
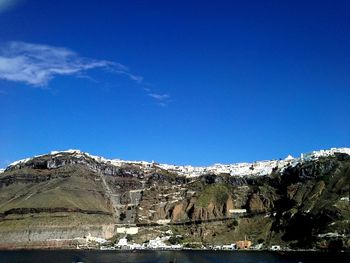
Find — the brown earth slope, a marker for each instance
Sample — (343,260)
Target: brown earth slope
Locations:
(66,196)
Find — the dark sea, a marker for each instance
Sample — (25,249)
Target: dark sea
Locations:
(63,256)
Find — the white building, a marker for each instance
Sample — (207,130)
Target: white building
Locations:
(237,211)
(99,240)
(128,230)
(122,243)
(229,247)
(157,243)
(275,247)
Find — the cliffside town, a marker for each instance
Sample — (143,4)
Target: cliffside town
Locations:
(238,169)
(74,199)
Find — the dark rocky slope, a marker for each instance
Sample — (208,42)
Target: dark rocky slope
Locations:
(66,196)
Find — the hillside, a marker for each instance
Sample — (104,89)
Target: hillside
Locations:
(58,199)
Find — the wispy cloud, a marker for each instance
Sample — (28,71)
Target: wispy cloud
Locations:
(161,99)
(8,4)
(37,64)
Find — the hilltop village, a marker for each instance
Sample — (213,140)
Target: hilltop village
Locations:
(71,199)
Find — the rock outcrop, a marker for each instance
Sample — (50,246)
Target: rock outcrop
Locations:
(67,195)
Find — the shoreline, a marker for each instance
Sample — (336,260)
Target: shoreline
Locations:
(2,249)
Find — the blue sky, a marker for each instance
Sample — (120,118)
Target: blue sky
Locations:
(185,82)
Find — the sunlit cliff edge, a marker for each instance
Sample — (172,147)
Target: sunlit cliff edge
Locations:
(60,199)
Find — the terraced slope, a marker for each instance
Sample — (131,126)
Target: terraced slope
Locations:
(41,204)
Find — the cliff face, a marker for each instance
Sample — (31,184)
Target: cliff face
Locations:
(52,198)
(65,196)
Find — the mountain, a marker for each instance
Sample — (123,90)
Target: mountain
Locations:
(58,199)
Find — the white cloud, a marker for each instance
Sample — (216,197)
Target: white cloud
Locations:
(162,99)
(37,64)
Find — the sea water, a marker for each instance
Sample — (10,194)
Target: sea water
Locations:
(74,256)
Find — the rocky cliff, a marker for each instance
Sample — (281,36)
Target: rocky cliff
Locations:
(67,195)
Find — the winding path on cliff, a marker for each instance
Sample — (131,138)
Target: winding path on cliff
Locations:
(114,198)
(184,222)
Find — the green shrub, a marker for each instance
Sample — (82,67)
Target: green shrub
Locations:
(217,193)
(174,240)
(122,216)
